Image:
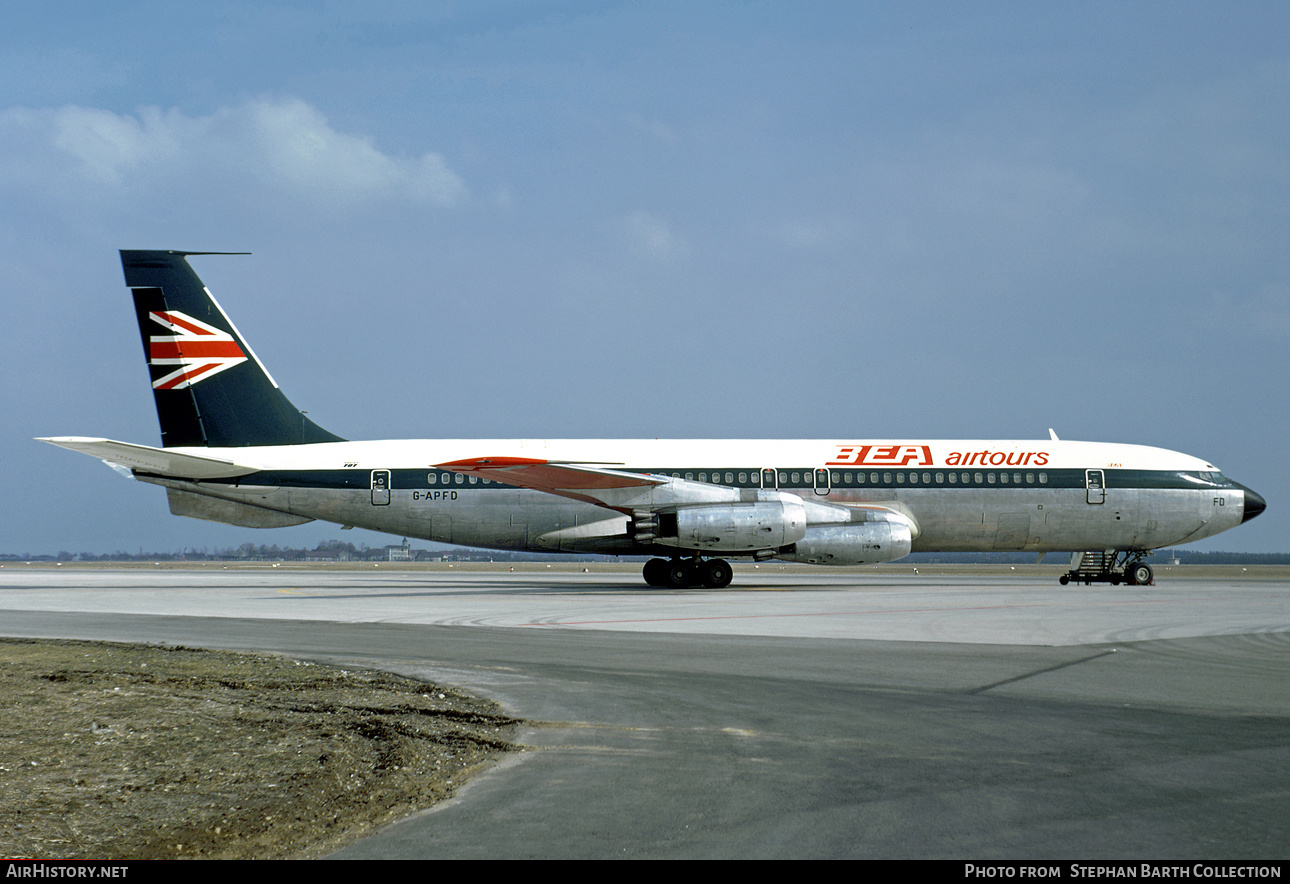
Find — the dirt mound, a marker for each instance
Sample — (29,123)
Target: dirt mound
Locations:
(143,752)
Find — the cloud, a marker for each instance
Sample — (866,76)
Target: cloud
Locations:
(285,146)
(650,236)
(655,130)
(809,233)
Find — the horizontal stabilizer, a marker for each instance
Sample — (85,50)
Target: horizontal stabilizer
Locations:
(145,459)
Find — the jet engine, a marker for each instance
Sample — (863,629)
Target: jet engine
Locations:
(734,527)
(858,543)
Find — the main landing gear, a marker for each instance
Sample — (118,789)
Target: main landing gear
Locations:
(1098,566)
(682,573)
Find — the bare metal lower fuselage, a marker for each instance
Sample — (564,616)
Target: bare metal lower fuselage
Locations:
(984,510)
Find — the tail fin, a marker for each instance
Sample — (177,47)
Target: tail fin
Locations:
(210,387)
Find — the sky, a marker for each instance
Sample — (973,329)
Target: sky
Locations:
(904,220)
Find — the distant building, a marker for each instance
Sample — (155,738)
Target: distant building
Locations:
(327,555)
(400,553)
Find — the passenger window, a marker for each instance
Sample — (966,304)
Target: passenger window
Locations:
(954,477)
(940,477)
(730,477)
(978,478)
(743,478)
(1043,478)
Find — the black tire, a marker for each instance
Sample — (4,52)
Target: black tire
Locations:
(655,571)
(717,573)
(679,575)
(1064,579)
(1139,574)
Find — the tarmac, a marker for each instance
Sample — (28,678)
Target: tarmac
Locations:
(962,713)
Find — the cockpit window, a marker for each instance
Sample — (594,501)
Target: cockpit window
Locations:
(1209,477)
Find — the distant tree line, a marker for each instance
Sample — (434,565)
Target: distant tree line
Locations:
(340,551)
(328,550)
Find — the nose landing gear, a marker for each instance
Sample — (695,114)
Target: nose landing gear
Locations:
(1099,566)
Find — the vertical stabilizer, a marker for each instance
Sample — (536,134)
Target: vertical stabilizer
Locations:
(210,388)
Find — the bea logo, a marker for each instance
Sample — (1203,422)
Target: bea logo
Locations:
(193,351)
(882,456)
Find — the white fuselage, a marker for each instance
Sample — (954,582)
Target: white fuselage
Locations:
(1039,495)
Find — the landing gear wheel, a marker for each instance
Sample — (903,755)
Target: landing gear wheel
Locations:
(717,573)
(679,575)
(656,572)
(1139,574)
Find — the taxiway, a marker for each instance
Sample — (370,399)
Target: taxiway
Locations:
(804,713)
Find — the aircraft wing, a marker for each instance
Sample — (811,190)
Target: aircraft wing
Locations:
(619,490)
(615,489)
(638,493)
(146,459)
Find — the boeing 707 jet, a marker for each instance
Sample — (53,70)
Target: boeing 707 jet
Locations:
(235,450)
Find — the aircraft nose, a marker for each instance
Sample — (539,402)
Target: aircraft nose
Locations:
(1254,504)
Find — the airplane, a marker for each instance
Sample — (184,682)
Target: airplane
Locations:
(235,450)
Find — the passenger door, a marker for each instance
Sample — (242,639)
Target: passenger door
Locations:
(380,487)
(1095,485)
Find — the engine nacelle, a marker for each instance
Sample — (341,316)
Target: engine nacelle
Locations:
(858,543)
(734,527)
